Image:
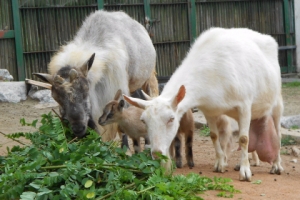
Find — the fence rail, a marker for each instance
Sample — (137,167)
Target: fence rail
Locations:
(31,31)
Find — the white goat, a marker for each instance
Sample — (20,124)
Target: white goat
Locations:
(227,71)
(110,51)
(128,120)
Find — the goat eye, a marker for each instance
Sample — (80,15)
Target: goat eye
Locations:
(171,120)
(110,115)
(143,121)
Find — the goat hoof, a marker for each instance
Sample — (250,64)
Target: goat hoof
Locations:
(191,164)
(276,170)
(178,163)
(237,168)
(245,173)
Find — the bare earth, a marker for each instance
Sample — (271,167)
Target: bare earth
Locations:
(275,187)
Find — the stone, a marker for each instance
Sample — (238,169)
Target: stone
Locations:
(5,75)
(44,96)
(12,91)
(295,151)
(290,122)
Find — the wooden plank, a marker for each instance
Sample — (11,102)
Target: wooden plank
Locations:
(38,83)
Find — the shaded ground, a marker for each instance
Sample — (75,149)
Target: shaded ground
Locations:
(279,187)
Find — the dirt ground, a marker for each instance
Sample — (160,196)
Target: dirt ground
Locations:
(275,187)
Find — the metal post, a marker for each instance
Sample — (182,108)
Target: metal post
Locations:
(7,34)
(287,33)
(100,4)
(147,9)
(297,31)
(192,20)
(18,40)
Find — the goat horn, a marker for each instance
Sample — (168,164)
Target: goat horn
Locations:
(58,79)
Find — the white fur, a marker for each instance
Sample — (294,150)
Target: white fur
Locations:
(227,71)
(124,56)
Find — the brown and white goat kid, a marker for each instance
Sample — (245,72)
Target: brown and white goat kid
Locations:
(110,51)
(227,71)
(128,120)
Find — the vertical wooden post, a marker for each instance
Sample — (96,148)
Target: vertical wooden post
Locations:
(192,20)
(18,40)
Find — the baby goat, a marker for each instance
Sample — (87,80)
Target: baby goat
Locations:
(129,122)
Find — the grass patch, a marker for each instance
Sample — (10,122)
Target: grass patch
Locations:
(291,84)
(284,152)
(205,131)
(288,140)
(294,127)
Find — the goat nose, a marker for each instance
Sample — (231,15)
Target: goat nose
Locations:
(78,128)
(156,153)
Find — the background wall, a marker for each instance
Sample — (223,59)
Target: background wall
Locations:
(32,30)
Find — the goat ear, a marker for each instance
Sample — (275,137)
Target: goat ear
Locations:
(178,98)
(121,104)
(147,97)
(45,77)
(136,102)
(73,74)
(87,66)
(118,95)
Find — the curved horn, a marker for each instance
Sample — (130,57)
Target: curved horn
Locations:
(45,77)
(73,74)
(147,97)
(58,79)
(118,94)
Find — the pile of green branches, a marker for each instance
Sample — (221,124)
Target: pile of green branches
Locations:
(57,166)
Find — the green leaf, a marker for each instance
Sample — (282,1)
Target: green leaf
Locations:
(43,191)
(90,195)
(28,195)
(256,182)
(35,185)
(88,183)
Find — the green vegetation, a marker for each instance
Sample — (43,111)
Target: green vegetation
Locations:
(294,127)
(284,152)
(287,140)
(57,166)
(256,182)
(291,84)
(205,131)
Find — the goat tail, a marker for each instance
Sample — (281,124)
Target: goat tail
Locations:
(151,85)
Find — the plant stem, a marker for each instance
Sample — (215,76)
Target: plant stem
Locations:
(57,115)
(13,139)
(72,140)
(109,194)
(144,190)
(54,167)
(105,166)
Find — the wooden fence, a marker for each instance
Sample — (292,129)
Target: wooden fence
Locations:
(32,30)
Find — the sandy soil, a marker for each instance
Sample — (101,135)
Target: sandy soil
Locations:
(277,187)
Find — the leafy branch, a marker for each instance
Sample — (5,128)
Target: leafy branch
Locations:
(53,166)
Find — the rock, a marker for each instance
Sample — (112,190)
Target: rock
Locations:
(294,160)
(295,151)
(5,75)
(12,91)
(44,96)
(290,121)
